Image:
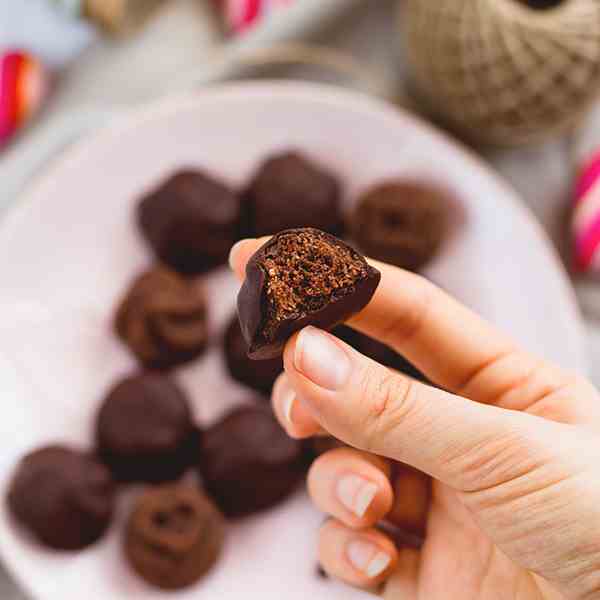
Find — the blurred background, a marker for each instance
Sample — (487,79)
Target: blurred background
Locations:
(516,80)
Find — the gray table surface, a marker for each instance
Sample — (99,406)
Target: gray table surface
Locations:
(542,175)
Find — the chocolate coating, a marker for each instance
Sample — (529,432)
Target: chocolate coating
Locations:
(174,536)
(162,319)
(379,352)
(259,375)
(64,497)
(190,221)
(144,429)
(297,278)
(402,223)
(290,191)
(248,463)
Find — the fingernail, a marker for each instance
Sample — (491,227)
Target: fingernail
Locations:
(356,493)
(367,558)
(320,359)
(285,397)
(288,405)
(233,253)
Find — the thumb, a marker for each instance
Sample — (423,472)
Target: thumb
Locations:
(460,442)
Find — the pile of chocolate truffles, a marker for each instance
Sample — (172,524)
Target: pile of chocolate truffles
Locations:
(144,428)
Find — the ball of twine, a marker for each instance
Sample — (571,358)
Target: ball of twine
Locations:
(504,72)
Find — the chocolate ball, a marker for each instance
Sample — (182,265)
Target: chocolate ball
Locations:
(260,375)
(190,221)
(290,191)
(174,536)
(248,463)
(301,277)
(402,223)
(64,497)
(379,352)
(144,429)
(163,319)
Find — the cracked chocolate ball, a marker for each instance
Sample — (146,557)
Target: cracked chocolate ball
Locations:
(401,223)
(260,375)
(174,536)
(301,277)
(191,221)
(379,352)
(163,319)
(64,497)
(290,191)
(248,463)
(145,431)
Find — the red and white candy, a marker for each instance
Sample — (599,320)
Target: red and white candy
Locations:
(23,87)
(586,217)
(241,15)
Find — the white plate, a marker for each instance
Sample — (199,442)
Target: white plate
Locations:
(69,250)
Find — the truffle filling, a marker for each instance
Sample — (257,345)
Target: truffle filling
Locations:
(305,272)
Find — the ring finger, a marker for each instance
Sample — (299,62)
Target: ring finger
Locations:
(352,486)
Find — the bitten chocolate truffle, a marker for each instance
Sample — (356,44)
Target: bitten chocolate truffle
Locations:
(248,463)
(402,223)
(260,375)
(290,191)
(174,536)
(379,352)
(190,221)
(64,497)
(144,429)
(163,319)
(297,278)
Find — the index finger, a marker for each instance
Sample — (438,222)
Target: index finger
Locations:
(449,343)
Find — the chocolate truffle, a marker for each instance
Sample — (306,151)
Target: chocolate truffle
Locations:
(377,351)
(144,429)
(174,536)
(402,223)
(248,463)
(260,375)
(190,221)
(64,497)
(162,319)
(297,278)
(290,191)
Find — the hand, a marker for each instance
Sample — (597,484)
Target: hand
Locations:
(513,450)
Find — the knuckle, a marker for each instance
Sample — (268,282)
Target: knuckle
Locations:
(484,371)
(389,398)
(574,401)
(537,387)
